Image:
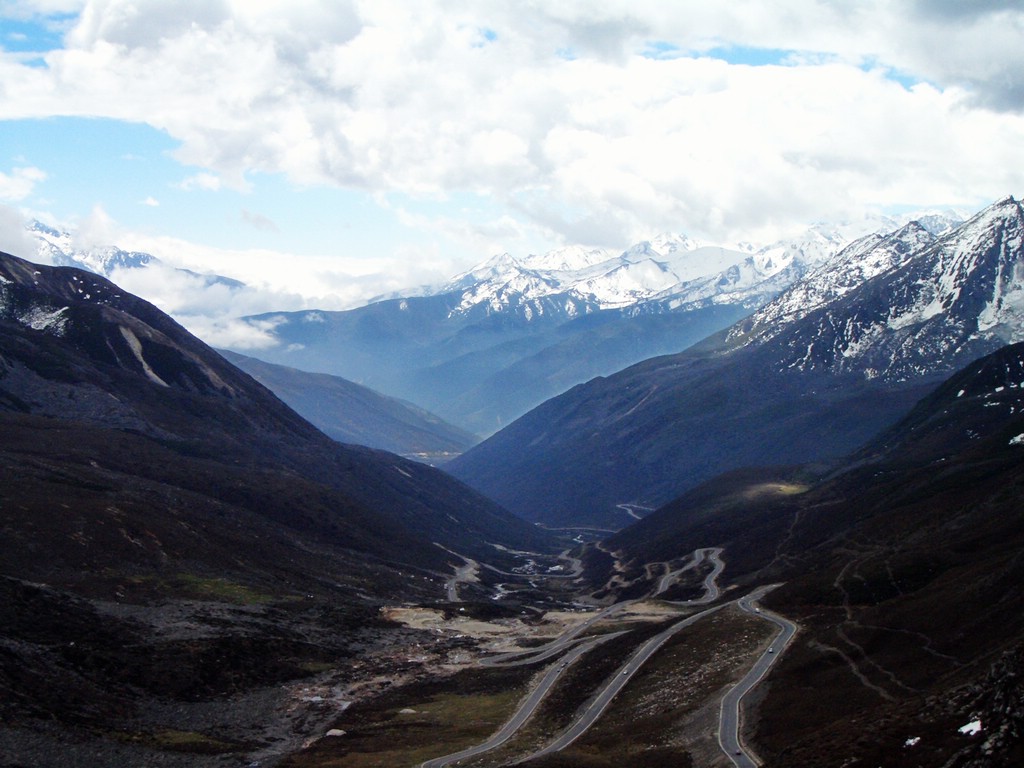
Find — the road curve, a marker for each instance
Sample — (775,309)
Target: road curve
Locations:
(617,683)
(626,671)
(670,578)
(529,704)
(711,589)
(730,718)
(568,639)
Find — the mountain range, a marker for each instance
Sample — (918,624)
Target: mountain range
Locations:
(79,350)
(58,248)
(499,339)
(493,342)
(811,376)
(192,573)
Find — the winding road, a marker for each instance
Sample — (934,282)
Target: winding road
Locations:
(711,590)
(617,683)
(730,719)
(526,708)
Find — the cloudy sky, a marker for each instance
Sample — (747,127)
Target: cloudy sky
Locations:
(331,150)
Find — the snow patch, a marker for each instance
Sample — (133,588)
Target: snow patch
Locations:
(136,347)
(973,728)
(1018,440)
(913,741)
(49,320)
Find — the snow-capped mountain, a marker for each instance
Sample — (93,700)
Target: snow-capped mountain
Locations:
(498,339)
(930,303)
(809,377)
(58,248)
(834,277)
(591,280)
(671,272)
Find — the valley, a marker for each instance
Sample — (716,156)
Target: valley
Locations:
(796,543)
(439,384)
(586,658)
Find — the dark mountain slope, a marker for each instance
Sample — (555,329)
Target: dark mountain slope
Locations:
(903,571)
(181,554)
(74,346)
(351,413)
(811,386)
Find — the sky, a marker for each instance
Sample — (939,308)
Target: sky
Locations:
(326,152)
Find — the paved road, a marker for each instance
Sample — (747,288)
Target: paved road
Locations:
(711,590)
(530,703)
(617,683)
(626,672)
(566,639)
(671,577)
(730,719)
(559,644)
(612,687)
(465,572)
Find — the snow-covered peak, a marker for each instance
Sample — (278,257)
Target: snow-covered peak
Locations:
(59,248)
(837,275)
(672,269)
(663,246)
(571,258)
(904,305)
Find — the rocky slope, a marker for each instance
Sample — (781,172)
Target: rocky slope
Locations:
(785,386)
(183,555)
(901,569)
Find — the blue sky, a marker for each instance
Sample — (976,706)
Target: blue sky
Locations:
(336,150)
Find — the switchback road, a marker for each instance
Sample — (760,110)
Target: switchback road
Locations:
(612,687)
(617,683)
(526,708)
(730,719)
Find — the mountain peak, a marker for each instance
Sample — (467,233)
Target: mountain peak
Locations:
(664,245)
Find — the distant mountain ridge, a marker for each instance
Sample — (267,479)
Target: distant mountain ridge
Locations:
(350,413)
(58,248)
(493,342)
(499,339)
(786,385)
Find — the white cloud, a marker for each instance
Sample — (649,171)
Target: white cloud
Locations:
(96,230)
(204,181)
(19,183)
(278,280)
(553,110)
(14,238)
(151,202)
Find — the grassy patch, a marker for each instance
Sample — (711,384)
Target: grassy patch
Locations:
(419,721)
(191,742)
(221,589)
